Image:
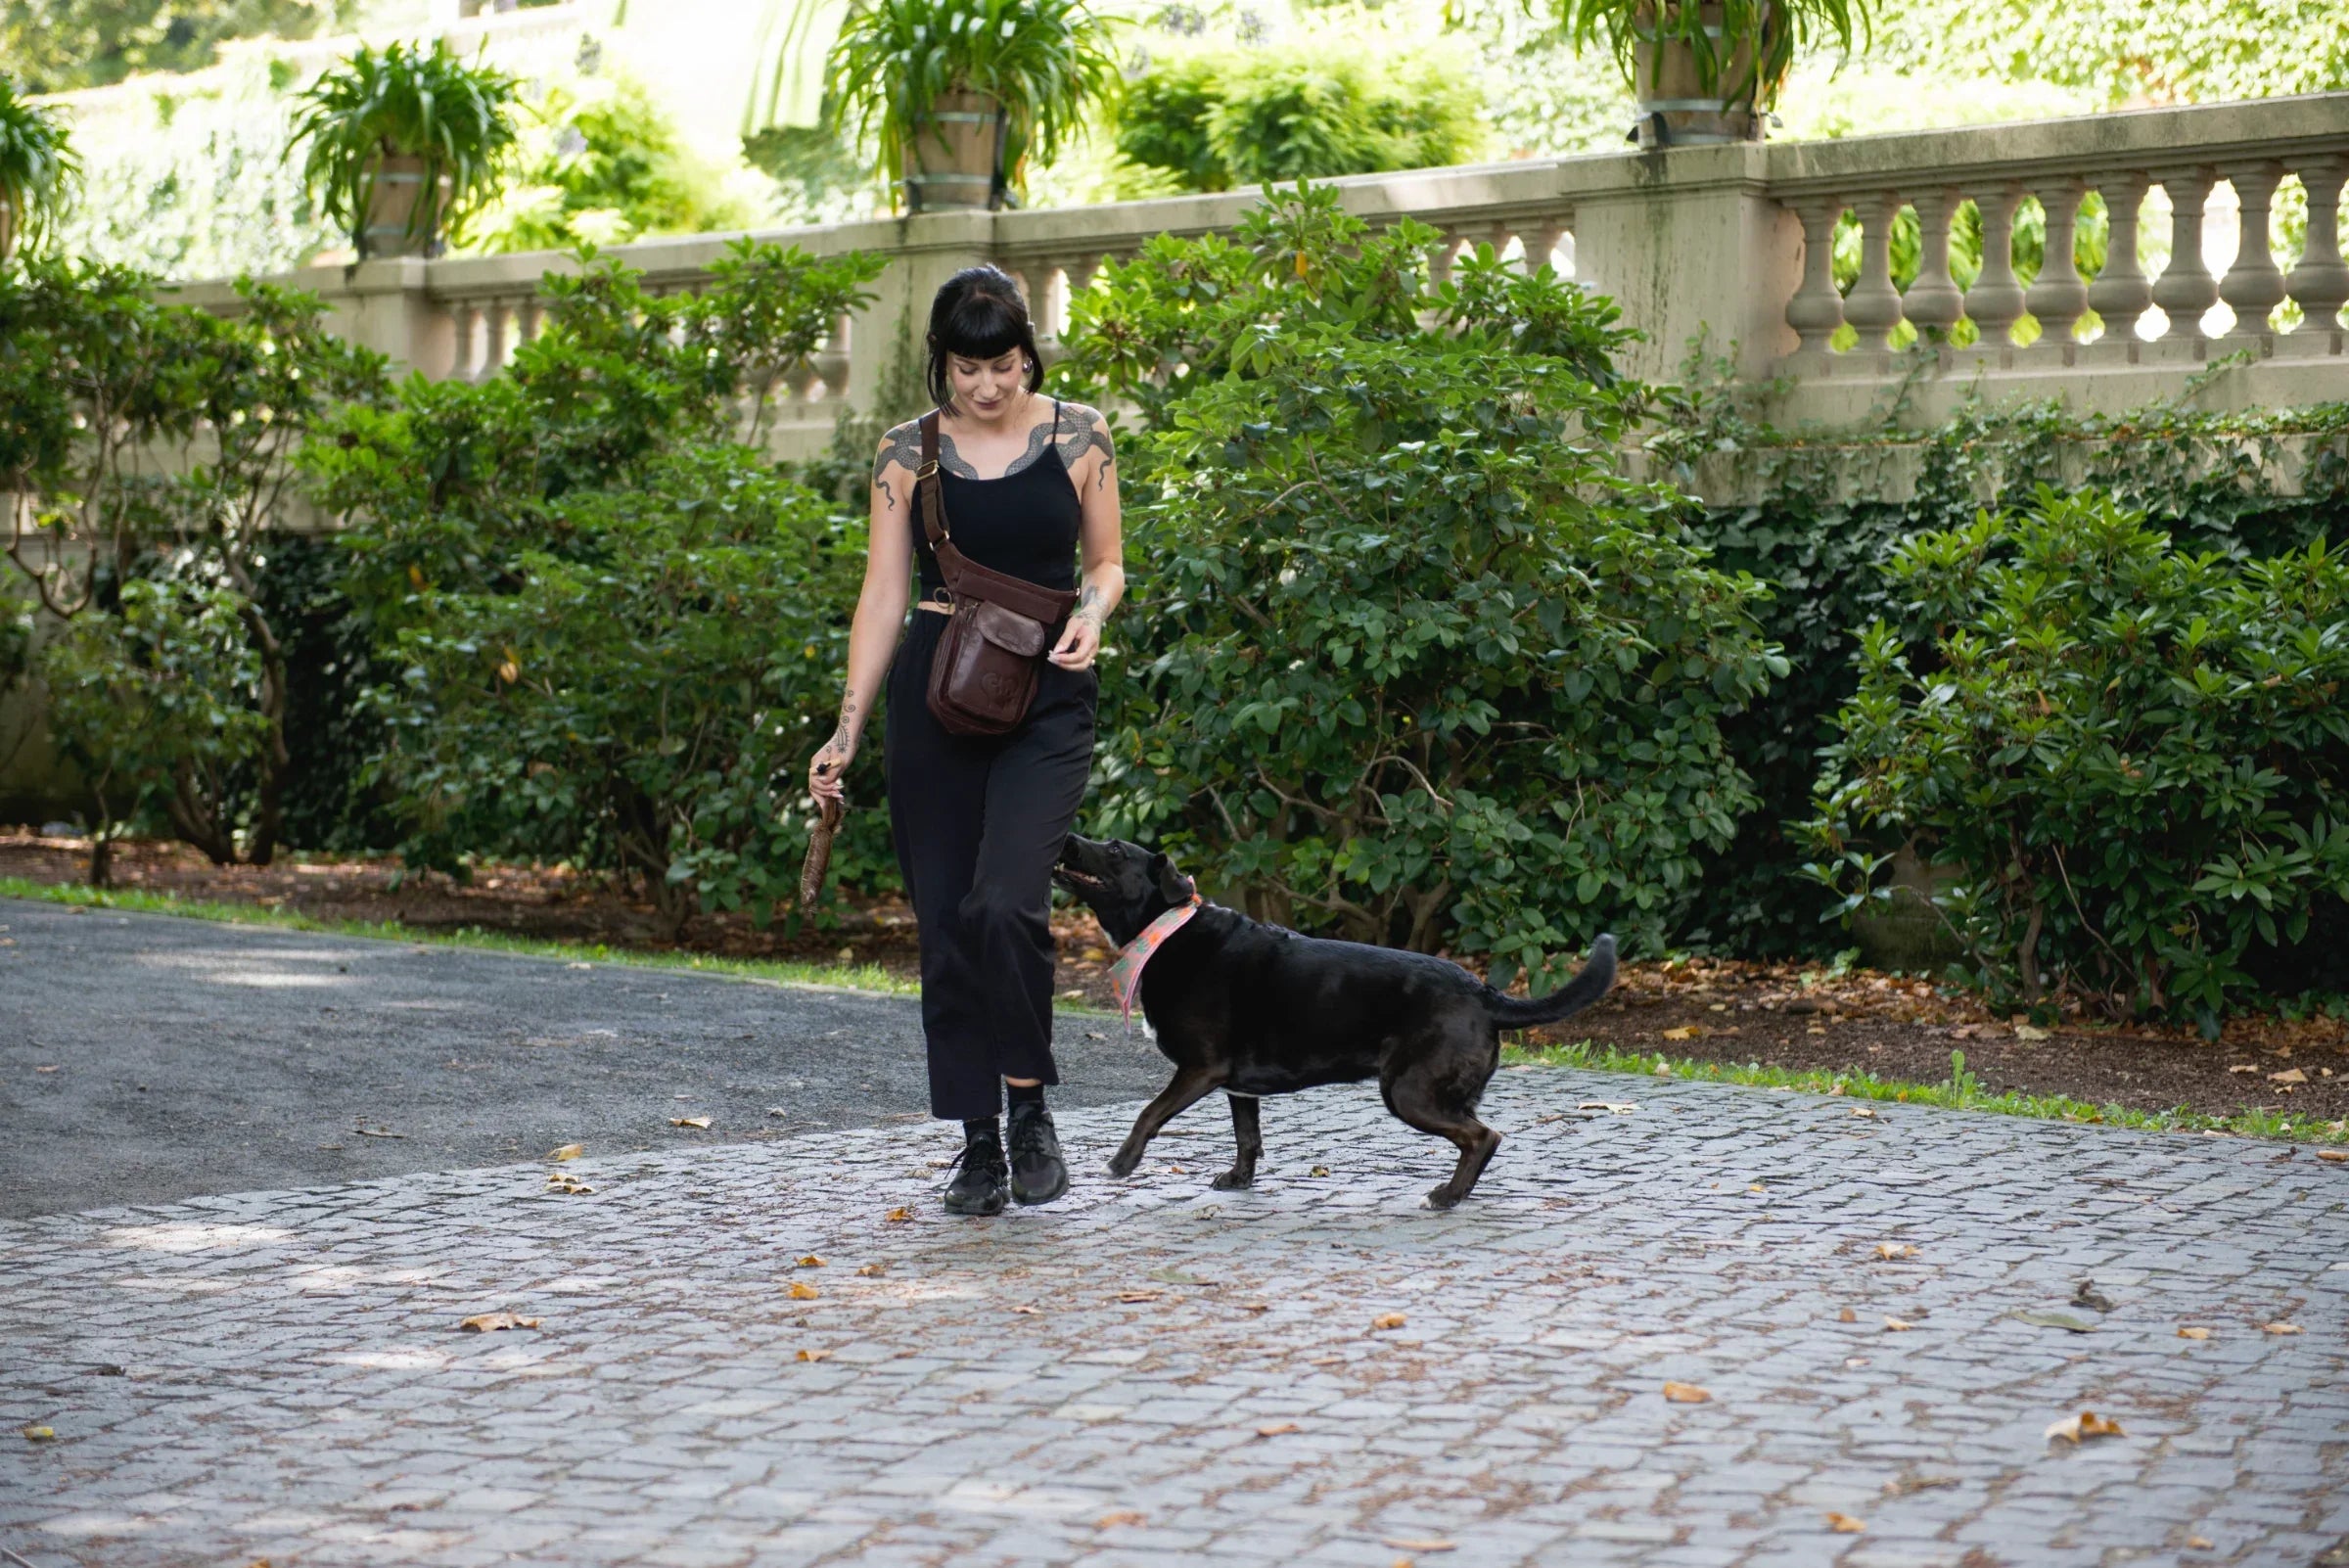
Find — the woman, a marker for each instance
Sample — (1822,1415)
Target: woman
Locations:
(979,821)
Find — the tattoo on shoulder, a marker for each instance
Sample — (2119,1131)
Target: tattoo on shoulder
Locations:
(948,459)
(902,449)
(1085,431)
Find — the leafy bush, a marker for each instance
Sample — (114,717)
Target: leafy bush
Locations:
(158,439)
(61,45)
(1216,120)
(1407,659)
(2137,753)
(617,630)
(39,168)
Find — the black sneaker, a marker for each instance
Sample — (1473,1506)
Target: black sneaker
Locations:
(1037,1175)
(978,1188)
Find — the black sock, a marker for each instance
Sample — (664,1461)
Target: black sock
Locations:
(978,1126)
(1031,1094)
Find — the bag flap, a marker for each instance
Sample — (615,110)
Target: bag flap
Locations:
(1008,630)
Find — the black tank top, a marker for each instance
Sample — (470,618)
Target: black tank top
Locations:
(1024,523)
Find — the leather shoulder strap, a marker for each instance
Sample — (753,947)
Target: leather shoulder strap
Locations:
(930,500)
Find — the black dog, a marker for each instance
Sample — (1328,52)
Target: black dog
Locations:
(1252,1009)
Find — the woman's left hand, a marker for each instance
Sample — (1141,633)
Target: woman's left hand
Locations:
(1080,641)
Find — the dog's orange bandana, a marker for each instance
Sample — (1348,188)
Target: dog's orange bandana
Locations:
(1125,974)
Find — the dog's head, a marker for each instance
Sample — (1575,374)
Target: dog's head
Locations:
(1126,886)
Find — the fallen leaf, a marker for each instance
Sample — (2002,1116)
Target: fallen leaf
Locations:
(1387,1321)
(1684,1031)
(490,1322)
(1028,1312)
(40,1434)
(689,1121)
(1894,1325)
(2244,1067)
(2029,1031)
(1843,1524)
(1407,1543)
(1919,1483)
(1847,1315)
(569,1151)
(377,1133)
(1686,1394)
(898,1216)
(2194,1332)
(1130,1297)
(811,1261)
(2057,1320)
(2336,1156)
(1256,1305)
(813,1355)
(1867,1111)
(801,1290)
(873,1269)
(1895,1249)
(2290,1074)
(1321,1170)
(1123,1516)
(1757,1187)
(562,1182)
(2196,1543)
(1613,1107)
(2281,1328)
(2086,1425)
(1276,1428)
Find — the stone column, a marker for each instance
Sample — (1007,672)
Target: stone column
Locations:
(2320,283)
(1995,300)
(2121,291)
(2185,289)
(1933,302)
(2057,295)
(1874,306)
(2253,285)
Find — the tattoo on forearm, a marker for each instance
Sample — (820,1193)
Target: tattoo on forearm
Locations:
(844,734)
(1088,603)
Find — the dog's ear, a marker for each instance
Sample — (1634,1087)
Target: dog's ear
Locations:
(1173,885)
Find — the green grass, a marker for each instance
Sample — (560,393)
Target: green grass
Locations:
(1963,1092)
(850,977)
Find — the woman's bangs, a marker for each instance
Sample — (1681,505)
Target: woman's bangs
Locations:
(984,327)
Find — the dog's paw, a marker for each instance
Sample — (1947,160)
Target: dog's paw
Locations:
(1122,1165)
(1440,1198)
(1234,1181)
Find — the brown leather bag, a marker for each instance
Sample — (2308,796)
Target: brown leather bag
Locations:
(988,659)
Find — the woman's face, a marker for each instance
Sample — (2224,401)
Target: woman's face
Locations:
(984,387)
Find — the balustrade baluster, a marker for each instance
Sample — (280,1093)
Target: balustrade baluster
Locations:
(1874,306)
(1542,250)
(1817,310)
(2185,289)
(1933,302)
(1440,261)
(2057,295)
(497,347)
(1051,309)
(832,359)
(1081,272)
(2253,285)
(2320,283)
(467,315)
(2121,291)
(1995,300)
(533,318)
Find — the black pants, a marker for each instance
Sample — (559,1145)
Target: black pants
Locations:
(979,822)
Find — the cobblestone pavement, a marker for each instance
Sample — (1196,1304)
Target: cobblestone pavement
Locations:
(1152,1372)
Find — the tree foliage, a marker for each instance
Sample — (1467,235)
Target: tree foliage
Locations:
(2137,753)
(1407,659)
(615,628)
(59,45)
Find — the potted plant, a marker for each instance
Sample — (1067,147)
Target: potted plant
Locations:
(1708,70)
(405,144)
(38,169)
(957,95)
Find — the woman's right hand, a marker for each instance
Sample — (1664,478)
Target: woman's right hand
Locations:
(828,771)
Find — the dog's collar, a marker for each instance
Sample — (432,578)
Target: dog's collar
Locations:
(1125,974)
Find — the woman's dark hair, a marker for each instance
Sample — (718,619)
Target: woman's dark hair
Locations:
(978,314)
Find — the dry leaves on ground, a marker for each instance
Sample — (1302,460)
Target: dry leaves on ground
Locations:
(870,1270)
(1123,1516)
(562,1182)
(1423,1544)
(813,1355)
(40,1434)
(2086,1425)
(1684,1031)
(2193,1331)
(2281,1328)
(1686,1394)
(1895,1249)
(689,1121)
(811,1261)
(1867,1111)
(490,1322)
(1276,1429)
(898,1216)
(1894,1325)
(801,1290)
(1843,1524)
(2336,1156)
(1847,1315)
(1387,1321)
(569,1151)
(1612,1107)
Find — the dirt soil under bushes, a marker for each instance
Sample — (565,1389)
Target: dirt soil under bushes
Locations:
(1781,1015)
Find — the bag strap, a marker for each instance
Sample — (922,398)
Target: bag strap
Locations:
(930,503)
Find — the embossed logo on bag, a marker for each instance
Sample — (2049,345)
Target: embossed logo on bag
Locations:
(995,683)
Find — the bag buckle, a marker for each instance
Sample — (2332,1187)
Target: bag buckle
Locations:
(928,469)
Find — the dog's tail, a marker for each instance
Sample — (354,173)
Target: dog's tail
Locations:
(1586,987)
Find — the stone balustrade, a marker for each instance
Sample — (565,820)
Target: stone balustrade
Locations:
(1725,245)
